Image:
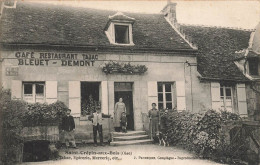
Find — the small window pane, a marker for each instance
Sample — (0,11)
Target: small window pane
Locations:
(168,97)
(169,105)
(28,88)
(121,34)
(160,106)
(160,87)
(39,88)
(228,98)
(228,91)
(168,87)
(221,92)
(253,66)
(160,97)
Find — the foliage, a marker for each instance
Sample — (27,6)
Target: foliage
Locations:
(43,114)
(89,106)
(200,132)
(116,67)
(11,126)
(16,114)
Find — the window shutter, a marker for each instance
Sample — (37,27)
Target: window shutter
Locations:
(215,96)
(241,99)
(51,91)
(152,93)
(180,93)
(74,98)
(104,96)
(16,90)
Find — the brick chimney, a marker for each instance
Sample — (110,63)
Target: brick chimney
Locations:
(169,11)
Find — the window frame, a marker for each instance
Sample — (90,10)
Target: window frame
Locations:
(111,33)
(127,31)
(224,99)
(254,72)
(164,94)
(34,95)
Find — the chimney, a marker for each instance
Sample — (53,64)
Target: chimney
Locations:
(169,11)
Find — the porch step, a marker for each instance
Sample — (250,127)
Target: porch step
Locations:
(129,133)
(133,137)
(131,142)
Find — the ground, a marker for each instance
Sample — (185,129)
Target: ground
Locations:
(150,153)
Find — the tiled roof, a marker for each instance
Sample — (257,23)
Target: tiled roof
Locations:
(216,50)
(32,23)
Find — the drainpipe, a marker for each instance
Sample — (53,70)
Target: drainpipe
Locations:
(191,85)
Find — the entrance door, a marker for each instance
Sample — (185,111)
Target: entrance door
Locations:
(123,91)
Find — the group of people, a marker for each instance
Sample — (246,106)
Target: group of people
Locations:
(120,123)
(68,124)
(120,116)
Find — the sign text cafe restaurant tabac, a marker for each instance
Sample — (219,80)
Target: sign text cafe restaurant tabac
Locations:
(66,62)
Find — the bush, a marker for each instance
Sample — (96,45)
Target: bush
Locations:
(43,114)
(11,126)
(200,132)
(17,114)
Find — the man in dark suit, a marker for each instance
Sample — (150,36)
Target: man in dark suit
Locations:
(97,118)
(68,127)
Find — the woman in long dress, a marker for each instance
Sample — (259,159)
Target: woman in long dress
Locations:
(154,117)
(119,108)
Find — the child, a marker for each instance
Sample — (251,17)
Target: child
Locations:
(123,122)
(97,118)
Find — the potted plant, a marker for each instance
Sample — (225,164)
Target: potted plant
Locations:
(142,68)
(115,67)
(136,69)
(89,105)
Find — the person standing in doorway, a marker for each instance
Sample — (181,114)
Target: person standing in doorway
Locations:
(119,109)
(97,118)
(68,127)
(154,117)
(123,121)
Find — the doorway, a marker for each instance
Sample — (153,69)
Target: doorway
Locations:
(124,90)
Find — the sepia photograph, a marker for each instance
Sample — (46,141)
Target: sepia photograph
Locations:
(169,82)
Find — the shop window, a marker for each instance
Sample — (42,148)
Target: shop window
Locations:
(253,66)
(90,97)
(122,34)
(226,98)
(165,95)
(34,92)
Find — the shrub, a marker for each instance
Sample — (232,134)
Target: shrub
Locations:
(38,114)
(17,114)
(11,126)
(200,132)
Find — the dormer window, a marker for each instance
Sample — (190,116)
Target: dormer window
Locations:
(119,29)
(122,34)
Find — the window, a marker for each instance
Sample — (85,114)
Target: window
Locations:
(253,66)
(122,34)
(226,98)
(165,96)
(34,92)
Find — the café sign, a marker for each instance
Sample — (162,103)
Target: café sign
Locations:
(55,59)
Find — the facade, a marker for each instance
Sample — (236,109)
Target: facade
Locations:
(60,55)
(64,62)
(248,62)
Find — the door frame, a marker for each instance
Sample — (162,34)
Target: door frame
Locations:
(132,92)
